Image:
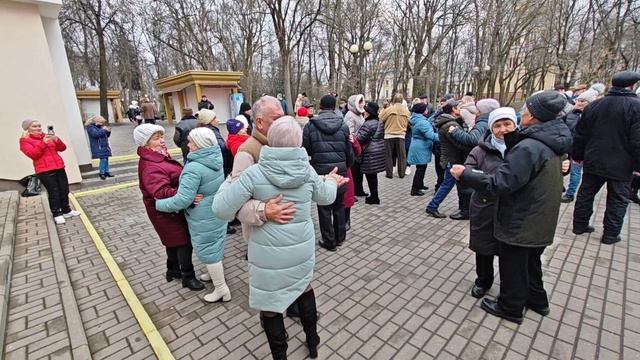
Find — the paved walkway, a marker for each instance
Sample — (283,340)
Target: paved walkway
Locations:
(397,289)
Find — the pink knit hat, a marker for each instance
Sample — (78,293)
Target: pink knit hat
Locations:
(26,123)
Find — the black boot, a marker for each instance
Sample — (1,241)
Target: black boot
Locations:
(309,318)
(274,329)
(347,220)
(293,311)
(172,274)
(192,283)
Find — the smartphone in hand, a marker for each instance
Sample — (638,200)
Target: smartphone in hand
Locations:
(50,130)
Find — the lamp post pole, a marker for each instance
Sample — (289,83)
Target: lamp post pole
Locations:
(360,57)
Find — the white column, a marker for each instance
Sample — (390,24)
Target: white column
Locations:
(67,90)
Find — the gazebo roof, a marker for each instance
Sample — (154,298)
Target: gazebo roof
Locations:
(225,79)
(95,94)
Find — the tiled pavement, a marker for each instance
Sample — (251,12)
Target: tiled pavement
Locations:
(397,289)
(36,325)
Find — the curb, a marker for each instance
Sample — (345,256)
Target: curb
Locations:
(6,260)
(77,335)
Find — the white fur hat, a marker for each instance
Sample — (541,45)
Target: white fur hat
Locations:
(143,132)
(243,120)
(203,137)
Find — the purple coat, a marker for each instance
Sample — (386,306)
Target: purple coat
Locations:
(159,177)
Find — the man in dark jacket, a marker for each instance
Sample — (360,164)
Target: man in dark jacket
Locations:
(326,139)
(205,103)
(607,142)
(528,186)
(451,154)
(181,132)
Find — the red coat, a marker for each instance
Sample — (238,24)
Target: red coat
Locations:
(159,177)
(234,141)
(44,154)
(350,194)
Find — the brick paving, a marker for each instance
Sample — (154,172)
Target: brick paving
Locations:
(397,289)
(36,325)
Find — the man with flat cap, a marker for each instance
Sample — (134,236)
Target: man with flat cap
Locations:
(527,185)
(607,141)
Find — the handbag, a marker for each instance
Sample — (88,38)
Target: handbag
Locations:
(31,184)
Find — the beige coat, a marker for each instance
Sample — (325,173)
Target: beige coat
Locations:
(395,119)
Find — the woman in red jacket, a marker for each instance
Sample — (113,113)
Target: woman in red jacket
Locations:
(43,150)
(159,176)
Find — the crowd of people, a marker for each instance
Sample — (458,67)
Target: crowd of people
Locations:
(507,167)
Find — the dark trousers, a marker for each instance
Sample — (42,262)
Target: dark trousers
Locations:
(357,179)
(57,185)
(617,201)
(395,154)
(332,222)
(439,169)
(484,271)
(520,279)
(418,178)
(149,121)
(179,261)
(372,181)
(464,197)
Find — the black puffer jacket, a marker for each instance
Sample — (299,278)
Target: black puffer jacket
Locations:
(572,118)
(471,139)
(452,152)
(607,137)
(181,132)
(371,139)
(487,158)
(326,139)
(227,157)
(528,185)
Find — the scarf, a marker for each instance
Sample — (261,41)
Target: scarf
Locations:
(499,144)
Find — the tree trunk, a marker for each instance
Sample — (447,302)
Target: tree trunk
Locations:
(286,72)
(104,81)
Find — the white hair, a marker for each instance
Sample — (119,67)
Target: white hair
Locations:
(285,132)
(260,106)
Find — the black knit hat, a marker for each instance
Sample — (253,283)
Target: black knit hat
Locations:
(419,108)
(372,108)
(327,102)
(625,78)
(244,107)
(546,106)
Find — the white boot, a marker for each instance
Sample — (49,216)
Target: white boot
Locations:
(205,277)
(221,292)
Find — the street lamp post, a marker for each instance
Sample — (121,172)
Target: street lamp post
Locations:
(360,61)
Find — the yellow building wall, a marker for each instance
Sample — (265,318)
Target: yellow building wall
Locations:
(28,89)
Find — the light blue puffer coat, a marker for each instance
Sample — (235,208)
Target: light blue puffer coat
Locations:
(422,139)
(281,257)
(201,175)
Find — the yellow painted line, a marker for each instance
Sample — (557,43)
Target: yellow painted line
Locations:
(157,342)
(131,157)
(106,189)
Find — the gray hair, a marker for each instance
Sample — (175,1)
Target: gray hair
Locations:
(259,107)
(285,132)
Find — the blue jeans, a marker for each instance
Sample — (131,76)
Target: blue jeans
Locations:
(574,179)
(447,184)
(104,166)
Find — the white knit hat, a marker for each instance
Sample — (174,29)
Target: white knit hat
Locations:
(143,132)
(589,95)
(243,120)
(285,132)
(502,114)
(205,116)
(599,87)
(203,137)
